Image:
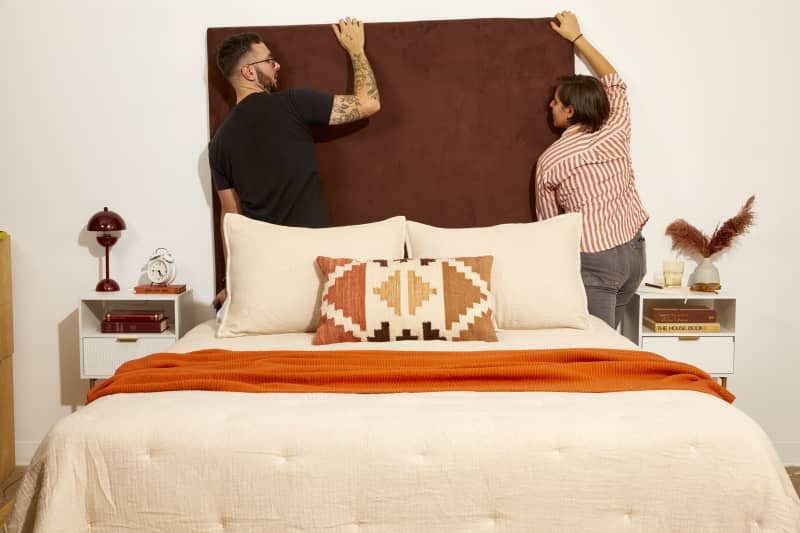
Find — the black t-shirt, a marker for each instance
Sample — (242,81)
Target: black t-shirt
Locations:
(266,152)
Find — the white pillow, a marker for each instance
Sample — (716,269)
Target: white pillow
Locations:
(272,279)
(536,278)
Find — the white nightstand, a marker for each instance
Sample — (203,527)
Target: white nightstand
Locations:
(712,352)
(102,353)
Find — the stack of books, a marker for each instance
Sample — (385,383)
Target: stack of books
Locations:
(133,321)
(681,318)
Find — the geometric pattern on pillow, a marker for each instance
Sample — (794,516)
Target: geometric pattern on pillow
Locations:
(405,299)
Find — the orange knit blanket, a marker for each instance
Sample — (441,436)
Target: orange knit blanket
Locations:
(378,371)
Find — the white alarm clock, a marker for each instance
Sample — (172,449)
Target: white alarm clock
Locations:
(160,267)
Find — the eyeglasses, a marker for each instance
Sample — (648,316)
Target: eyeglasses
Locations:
(271,60)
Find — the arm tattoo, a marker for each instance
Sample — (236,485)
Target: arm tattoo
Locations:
(345,109)
(349,108)
(363,78)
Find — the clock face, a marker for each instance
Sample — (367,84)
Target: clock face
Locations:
(160,268)
(158,271)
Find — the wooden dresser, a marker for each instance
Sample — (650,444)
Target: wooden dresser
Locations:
(7,458)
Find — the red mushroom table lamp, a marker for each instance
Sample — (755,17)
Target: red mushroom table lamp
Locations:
(105,222)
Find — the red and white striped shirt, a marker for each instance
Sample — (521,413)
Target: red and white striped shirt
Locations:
(591,173)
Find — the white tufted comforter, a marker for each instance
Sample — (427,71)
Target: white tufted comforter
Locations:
(647,461)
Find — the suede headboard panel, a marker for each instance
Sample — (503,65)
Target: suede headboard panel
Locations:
(464,117)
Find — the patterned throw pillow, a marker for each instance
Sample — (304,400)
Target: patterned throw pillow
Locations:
(405,299)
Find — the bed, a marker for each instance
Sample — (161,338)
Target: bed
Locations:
(669,453)
(447,461)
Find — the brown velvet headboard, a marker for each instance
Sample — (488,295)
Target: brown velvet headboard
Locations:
(463,117)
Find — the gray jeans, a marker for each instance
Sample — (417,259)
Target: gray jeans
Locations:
(611,278)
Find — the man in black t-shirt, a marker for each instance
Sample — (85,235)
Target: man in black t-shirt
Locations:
(263,158)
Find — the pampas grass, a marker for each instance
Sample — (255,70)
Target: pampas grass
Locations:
(689,240)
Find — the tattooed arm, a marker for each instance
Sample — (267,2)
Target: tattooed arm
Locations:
(366,101)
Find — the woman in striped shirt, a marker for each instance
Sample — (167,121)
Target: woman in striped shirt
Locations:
(588,170)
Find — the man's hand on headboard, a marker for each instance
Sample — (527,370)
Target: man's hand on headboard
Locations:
(350,34)
(366,101)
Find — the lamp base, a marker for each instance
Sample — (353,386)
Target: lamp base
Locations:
(107,285)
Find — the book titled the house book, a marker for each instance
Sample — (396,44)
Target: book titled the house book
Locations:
(682,313)
(681,327)
(133,326)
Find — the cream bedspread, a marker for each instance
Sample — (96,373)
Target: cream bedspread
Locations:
(452,461)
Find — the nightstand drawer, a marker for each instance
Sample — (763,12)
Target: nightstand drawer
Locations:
(712,354)
(103,355)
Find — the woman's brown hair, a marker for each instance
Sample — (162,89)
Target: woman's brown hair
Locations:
(588,99)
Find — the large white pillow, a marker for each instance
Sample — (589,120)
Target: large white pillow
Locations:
(536,278)
(272,278)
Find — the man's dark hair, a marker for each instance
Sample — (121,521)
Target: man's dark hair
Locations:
(232,49)
(587,97)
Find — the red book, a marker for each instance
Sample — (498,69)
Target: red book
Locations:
(682,313)
(138,326)
(159,289)
(134,315)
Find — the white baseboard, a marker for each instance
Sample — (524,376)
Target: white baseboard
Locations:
(24,451)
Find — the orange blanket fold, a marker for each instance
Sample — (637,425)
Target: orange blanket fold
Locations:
(379,371)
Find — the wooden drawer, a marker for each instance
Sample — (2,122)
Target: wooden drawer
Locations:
(6,308)
(7,461)
(103,355)
(712,354)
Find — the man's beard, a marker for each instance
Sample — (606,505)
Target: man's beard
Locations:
(268,84)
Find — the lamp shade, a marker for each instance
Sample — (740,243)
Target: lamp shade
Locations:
(106,220)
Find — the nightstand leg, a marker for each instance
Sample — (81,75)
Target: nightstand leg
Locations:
(724,382)
(92,382)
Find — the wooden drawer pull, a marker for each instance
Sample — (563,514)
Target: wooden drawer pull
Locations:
(127,339)
(688,338)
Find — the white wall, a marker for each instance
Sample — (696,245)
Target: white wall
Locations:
(105,104)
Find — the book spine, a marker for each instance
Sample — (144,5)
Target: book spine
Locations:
(683,316)
(711,327)
(122,317)
(151,290)
(132,327)
(156,289)
(686,328)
